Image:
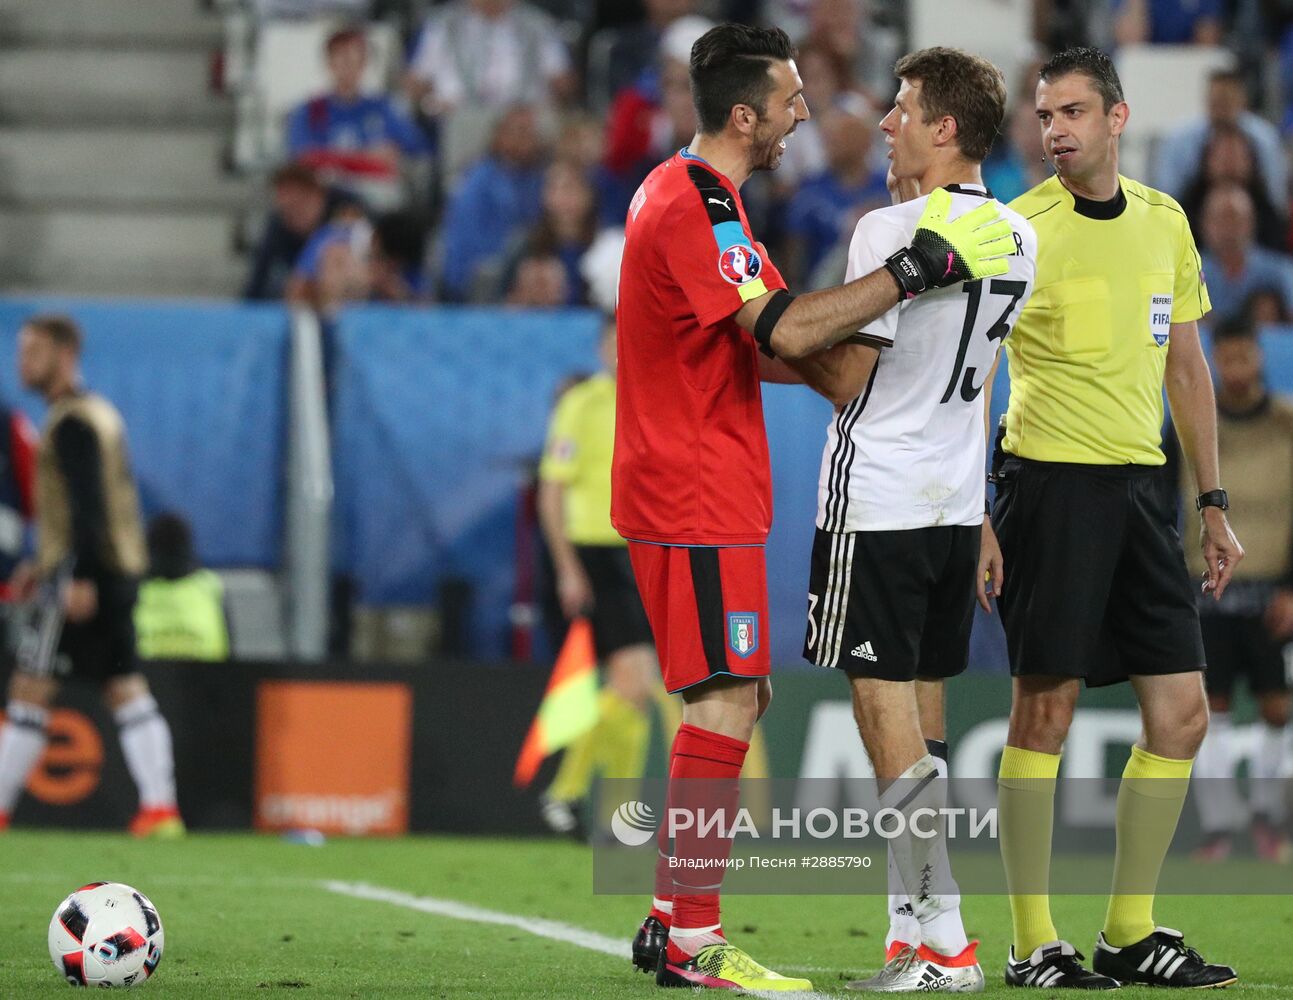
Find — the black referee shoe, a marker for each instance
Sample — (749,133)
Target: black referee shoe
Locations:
(648,943)
(1055,966)
(1162,959)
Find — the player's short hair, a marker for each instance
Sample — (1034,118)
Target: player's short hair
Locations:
(1239,327)
(1227,76)
(729,66)
(345,35)
(964,86)
(1092,63)
(62,330)
(297,174)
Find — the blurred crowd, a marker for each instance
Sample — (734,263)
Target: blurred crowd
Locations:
(498,163)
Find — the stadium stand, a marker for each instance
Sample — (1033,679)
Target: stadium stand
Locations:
(112,140)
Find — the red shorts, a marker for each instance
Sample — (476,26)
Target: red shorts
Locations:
(708,608)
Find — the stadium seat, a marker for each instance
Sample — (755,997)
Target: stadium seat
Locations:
(1166,85)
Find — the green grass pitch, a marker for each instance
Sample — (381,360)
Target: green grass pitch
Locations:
(249,916)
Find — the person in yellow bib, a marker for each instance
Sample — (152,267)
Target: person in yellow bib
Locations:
(180,614)
(595,578)
(1083,550)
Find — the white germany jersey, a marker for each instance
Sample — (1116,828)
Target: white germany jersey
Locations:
(909,451)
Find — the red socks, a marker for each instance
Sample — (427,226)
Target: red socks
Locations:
(704,776)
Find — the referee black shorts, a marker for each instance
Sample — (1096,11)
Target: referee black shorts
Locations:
(893,605)
(1096,585)
(618,618)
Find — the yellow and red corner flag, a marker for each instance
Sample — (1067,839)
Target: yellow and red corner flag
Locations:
(569,706)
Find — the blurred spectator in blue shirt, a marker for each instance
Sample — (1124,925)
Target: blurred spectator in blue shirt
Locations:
(1234,266)
(566,227)
(350,137)
(302,206)
(1229,158)
(498,197)
(827,206)
(1168,22)
(1179,154)
(352,260)
(330,268)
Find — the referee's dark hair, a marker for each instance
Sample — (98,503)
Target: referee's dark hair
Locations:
(961,86)
(62,330)
(729,66)
(1092,63)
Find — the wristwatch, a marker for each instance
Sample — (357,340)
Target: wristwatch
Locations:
(1213,498)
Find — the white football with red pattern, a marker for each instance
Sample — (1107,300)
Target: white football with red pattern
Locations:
(106,934)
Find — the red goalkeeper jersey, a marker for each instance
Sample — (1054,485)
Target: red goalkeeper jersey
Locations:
(691,455)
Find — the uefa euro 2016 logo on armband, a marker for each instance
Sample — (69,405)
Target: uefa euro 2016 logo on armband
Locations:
(743,632)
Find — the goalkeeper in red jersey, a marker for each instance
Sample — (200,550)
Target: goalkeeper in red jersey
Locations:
(703,317)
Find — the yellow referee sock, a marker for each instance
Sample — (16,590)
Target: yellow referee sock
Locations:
(623,736)
(1150,798)
(1026,809)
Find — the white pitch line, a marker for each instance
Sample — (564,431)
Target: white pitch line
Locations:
(171,881)
(554,930)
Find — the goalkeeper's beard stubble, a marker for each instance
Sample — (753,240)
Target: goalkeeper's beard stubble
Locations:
(767,150)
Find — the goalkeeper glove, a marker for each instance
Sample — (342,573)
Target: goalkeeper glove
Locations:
(943,253)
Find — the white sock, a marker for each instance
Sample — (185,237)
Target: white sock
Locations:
(903,925)
(146,743)
(691,939)
(922,861)
(22,741)
(1268,774)
(1216,794)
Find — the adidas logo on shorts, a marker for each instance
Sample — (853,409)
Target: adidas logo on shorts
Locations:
(864,650)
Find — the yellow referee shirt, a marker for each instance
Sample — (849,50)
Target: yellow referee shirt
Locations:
(581,441)
(1087,356)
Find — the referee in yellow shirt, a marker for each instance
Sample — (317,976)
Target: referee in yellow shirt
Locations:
(595,578)
(1083,549)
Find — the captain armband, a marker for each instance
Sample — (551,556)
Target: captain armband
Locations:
(768,319)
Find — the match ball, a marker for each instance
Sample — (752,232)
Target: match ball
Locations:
(106,934)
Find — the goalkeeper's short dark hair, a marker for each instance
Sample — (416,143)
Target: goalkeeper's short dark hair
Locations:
(963,86)
(729,66)
(1092,63)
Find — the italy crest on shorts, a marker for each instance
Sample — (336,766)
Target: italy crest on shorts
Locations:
(743,632)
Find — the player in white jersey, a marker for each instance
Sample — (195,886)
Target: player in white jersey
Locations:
(901,499)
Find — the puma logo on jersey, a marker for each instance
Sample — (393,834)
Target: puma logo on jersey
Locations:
(864,650)
(726,202)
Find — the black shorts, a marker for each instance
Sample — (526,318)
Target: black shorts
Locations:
(618,617)
(893,605)
(96,650)
(1239,646)
(1095,578)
